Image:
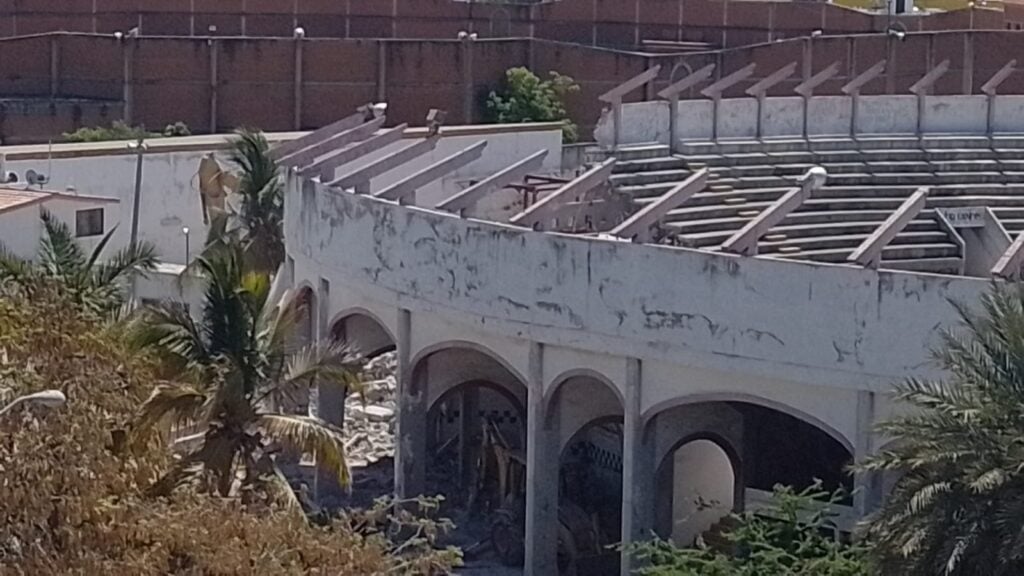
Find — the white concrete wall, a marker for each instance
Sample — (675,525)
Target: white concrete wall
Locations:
(20,231)
(170,197)
(705,325)
(702,489)
(645,122)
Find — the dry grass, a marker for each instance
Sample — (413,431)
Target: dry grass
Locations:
(71,497)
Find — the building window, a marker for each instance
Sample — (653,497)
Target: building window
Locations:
(89,222)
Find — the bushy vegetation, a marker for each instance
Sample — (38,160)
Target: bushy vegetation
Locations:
(524,97)
(120,130)
(73,498)
(958,506)
(792,537)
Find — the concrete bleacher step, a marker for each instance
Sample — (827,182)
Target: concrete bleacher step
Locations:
(891,252)
(641,152)
(650,164)
(650,177)
(850,241)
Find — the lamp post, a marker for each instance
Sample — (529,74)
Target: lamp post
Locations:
(184,230)
(45,399)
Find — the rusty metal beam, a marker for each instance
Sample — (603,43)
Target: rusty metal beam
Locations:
(470,196)
(534,215)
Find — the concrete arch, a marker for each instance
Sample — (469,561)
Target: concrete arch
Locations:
(691,469)
(366,343)
(426,352)
(558,381)
(731,452)
(499,389)
(362,311)
(781,407)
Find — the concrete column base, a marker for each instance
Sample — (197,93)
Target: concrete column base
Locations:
(639,484)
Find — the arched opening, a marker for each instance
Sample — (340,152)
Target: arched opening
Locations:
(717,456)
(476,429)
(586,412)
(368,336)
(696,487)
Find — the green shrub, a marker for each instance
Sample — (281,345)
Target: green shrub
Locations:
(119,130)
(526,98)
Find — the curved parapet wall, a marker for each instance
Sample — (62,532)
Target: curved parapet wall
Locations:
(756,319)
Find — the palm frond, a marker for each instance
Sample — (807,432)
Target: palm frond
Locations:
(310,435)
(132,259)
(179,403)
(59,254)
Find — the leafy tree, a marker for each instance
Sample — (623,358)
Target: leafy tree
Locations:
(231,367)
(257,223)
(526,98)
(73,496)
(792,537)
(92,283)
(958,506)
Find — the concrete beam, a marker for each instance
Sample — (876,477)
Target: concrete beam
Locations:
(1009,264)
(471,195)
(315,136)
(869,253)
(806,88)
(362,176)
(407,186)
(326,166)
(616,94)
(715,90)
(853,86)
(638,226)
(675,89)
(922,86)
(533,215)
(991,87)
(744,241)
(763,85)
(310,153)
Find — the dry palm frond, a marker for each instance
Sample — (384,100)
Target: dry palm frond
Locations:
(310,435)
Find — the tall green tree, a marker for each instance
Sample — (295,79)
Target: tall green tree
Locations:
(957,508)
(231,368)
(256,221)
(92,282)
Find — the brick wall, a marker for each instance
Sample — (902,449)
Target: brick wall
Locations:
(283,84)
(598,22)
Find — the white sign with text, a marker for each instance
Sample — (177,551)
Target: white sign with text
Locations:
(966,217)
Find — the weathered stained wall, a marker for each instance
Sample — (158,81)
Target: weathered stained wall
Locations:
(597,22)
(760,320)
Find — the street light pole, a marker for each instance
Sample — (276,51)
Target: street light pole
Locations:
(46,399)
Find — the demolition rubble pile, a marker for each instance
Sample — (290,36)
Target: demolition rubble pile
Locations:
(370,418)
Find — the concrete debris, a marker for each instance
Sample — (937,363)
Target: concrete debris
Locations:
(370,417)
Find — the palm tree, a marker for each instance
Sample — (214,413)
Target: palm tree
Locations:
(958,508)
(91,283)
(233,365)
(257,221)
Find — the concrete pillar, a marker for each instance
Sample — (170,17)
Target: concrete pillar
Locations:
(638,474)
(541,475)
(867,486)
(54,66)
(411,433)
(469,440)
(128,82)
(214,49)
